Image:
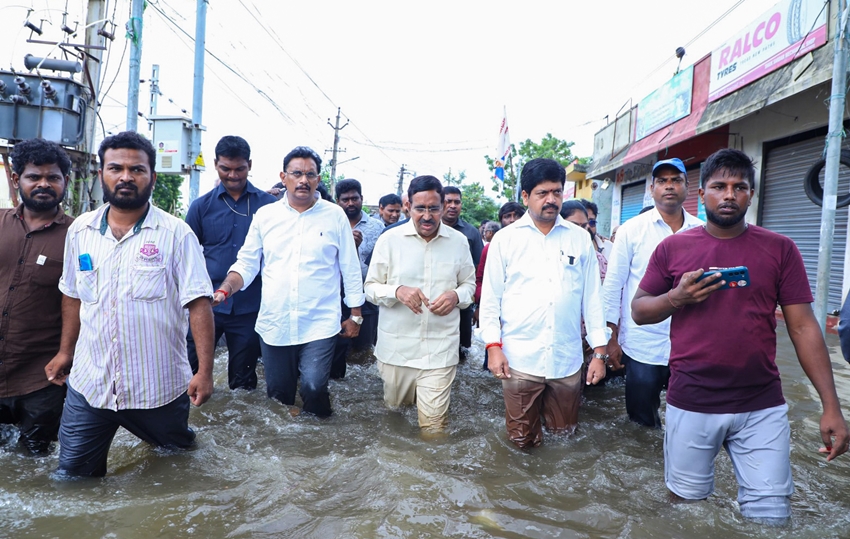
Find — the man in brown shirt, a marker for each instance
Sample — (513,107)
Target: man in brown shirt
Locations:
(31,256)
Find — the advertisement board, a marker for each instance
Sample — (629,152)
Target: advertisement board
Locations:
(665,105)
(787,31)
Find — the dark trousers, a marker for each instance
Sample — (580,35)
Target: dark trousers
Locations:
(643,391)
(37,416)
(466,326)
(312,361)
(367,338)
(86,432)
(243,348)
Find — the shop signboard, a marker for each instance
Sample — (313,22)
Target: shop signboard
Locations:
(667,104)
(785,32)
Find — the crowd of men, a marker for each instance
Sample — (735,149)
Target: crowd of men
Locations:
(111,320)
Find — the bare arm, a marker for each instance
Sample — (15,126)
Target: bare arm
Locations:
(231,284)
(60,366)
(649,309)
(203,329)
(814,358)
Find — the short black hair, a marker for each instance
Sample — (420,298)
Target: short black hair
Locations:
(425,183)
(323,192)
(541,170)
(233,147)
(303,152)
(588,205)
(389,200)
(346,185)
(452,190)
(484,222)
(731,163)
(511,207)
(569,207)
(128,140)
(39,152)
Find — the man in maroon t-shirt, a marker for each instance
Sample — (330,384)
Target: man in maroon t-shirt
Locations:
(724,388)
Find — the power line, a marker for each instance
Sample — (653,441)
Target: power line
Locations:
(226,65)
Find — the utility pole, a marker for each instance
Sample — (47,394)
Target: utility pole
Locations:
(134,31)
(96,11)
(400,180)
(198,100)
(154,95)
(833,157)
(336,129)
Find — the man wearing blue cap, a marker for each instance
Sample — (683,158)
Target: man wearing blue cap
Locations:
(644,350)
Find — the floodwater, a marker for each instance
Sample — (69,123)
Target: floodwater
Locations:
(367,473)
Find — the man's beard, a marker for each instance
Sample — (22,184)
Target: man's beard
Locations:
(36,205)
(352,211)
(127,202)
(724,221)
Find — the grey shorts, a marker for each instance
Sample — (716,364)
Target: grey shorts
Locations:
(758,443)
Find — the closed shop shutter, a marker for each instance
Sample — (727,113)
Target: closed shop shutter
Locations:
(787,210)
(632,200)
(691,204)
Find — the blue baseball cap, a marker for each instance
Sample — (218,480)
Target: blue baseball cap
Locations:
(675,163)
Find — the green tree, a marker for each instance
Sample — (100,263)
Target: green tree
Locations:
(477,206)
(166,194)
(550,147)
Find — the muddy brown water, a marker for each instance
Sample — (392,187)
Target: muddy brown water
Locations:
(367,473)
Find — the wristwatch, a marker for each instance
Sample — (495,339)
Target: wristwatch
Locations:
(357,320)
(603,357)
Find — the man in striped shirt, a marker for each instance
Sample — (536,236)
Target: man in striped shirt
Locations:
(130,272)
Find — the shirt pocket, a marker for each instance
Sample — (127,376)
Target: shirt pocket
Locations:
(148,283)
(87,286)
(46,274)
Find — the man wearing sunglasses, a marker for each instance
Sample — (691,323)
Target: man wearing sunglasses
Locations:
(303,247)
(601,244)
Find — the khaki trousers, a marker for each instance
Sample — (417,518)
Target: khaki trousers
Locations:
(429,389)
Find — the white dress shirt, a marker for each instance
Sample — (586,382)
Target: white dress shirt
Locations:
(131,350)
(402,258)
(535,291)
(637,239)
(301,257)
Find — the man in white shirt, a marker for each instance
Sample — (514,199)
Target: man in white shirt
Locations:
(302,246)
(644,350)
(541,277)
(421,275)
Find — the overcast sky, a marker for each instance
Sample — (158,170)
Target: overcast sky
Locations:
(422,84)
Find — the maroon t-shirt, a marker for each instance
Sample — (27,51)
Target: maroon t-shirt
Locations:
(723,350)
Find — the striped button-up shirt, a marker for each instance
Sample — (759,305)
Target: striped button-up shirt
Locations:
(301,257)
(131,351)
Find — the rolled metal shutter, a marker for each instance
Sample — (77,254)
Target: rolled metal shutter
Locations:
(691,204)
(787,210)
(632,200)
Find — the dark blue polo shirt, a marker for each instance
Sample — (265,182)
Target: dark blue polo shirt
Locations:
(221,225)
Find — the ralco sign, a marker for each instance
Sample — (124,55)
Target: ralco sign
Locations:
(770,42)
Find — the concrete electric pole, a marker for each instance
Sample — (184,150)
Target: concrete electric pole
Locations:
(134,33)
(198,100)
(336,129)
(833,157)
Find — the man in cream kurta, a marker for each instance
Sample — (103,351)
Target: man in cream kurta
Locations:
(420,276)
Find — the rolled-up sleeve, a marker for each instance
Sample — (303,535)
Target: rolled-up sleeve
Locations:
(349,265)
(190,271)
(492,289)
(466,282)
(592,309)
(68,281)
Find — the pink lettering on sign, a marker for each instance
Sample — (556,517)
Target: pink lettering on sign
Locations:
(745,44)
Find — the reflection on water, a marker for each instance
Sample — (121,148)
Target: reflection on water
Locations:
(366,472)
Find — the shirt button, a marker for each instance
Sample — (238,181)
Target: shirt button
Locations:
(115,340)
(5,313)
(20,261)
(29,235)
(11,288)
(235,225)
(234,245)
